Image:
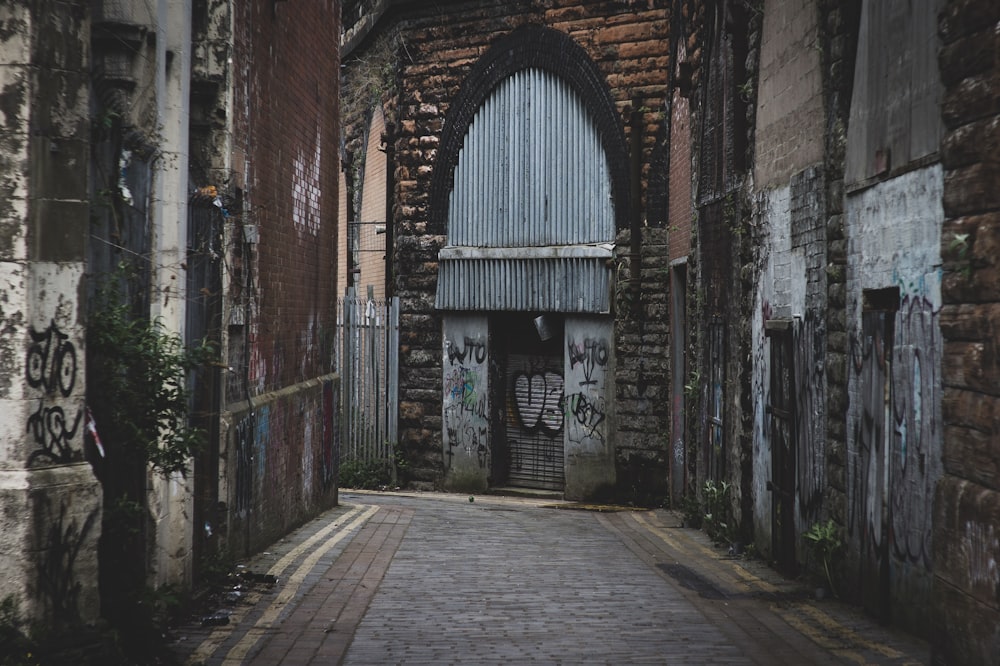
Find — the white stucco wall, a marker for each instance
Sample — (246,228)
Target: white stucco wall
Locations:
(588,407)
(894,231)
(466,431)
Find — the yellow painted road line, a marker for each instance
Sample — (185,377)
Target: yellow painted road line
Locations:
(670,541)
(279,567)
(816,637)
(848,634)
(793,616)
(289,590)
(218,636)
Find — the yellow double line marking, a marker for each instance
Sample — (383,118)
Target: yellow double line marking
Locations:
(796,612)
(288,590)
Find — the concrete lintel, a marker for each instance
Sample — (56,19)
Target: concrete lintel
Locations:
(601,251)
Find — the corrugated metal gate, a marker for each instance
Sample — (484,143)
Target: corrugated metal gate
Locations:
(368,363)
(531,229)
(534,425)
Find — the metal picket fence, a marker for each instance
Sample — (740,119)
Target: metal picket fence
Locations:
(368,362)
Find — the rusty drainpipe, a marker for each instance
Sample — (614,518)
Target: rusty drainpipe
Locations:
(635,195)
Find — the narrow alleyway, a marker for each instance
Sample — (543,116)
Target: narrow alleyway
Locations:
(440,579)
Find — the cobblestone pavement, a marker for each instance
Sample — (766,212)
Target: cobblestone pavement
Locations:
(436,579)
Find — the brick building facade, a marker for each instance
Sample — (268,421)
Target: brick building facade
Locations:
(441,71)
(280,407)
(196,144)
(848,393)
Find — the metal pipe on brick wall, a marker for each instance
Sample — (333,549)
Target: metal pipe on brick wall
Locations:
(635,194)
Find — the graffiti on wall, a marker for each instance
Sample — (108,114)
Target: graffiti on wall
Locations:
(246,455)
(471,351)
(869,357)
(331,437)
(60,540)
(915,428)
(466,417)
(800,391)
(586,408)
(50,369)
(808,350)
(538,400)
(588,355)
(535,419)
(896,433)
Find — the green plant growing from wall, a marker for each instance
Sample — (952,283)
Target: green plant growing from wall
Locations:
(718,520)
(137,392)
(824,544)
(692,387)
(137,388)
(372,77)
(960,246)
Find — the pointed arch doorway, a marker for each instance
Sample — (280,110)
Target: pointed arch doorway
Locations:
(525,277)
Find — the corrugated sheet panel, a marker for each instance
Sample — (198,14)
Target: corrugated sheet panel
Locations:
(535,422)
(532,170)
(531,174)
(570,284)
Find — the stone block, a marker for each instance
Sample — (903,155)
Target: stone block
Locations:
(969,453)
(971,190)
(971,98)
(968,55)
(966,603)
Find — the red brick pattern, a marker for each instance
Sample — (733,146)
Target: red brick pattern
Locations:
(285,70)
(286,81)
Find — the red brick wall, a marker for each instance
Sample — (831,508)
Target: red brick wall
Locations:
(282,450)
(967,505)
(371,243)
(287,110)
(681,208)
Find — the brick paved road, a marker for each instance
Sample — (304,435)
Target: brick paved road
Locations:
(435,579)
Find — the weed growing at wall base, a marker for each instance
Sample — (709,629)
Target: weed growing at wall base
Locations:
(365,474)
(718,519)
(823,542)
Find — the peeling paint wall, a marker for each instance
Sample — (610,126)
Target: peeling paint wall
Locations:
(588,406)
(50,503)
(894,434)
(466,427)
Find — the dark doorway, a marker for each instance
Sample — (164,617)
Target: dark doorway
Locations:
(529,388)
(781,411)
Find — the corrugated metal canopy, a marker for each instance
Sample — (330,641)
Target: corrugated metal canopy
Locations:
(532,180)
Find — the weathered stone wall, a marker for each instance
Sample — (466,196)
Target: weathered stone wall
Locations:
(966,610)
(838,43)
(791,232)
(50,503)
(722,46)
(438,49)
